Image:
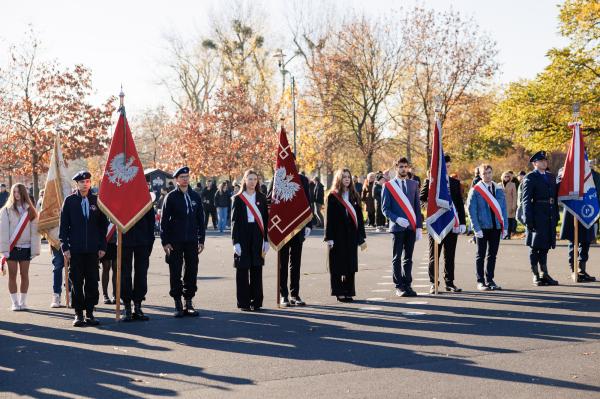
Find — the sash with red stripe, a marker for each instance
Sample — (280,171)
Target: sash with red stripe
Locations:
(349,208)
(23,222)
(110,231)
(402,200)
(255,212)
(481,188)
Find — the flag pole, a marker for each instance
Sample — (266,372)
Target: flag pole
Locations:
(278,277)
(67,288)
(436,248)
(575,249)
(119,230)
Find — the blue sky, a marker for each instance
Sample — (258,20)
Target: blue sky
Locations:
(122,41)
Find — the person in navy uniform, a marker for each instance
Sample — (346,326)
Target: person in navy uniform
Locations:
(83,241)
(404,236)
(540,216)
(137,245)
(450,240)
(182,234)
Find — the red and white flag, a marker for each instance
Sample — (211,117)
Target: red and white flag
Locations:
(124,196)
(289,211)
(571,185)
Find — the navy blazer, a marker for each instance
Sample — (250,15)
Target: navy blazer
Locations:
(392,210)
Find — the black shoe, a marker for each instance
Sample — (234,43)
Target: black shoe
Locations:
(493,286)
(178,308)
(189,308)
(245,308)
(137,312)
(349,299)
(106,300)
(255,308)
(549,280)
(341,299)
(452,288)
(537,281)
(79,321)
(297,301)
(127,317)
(586,278)
(411,292)
(284,302)
(90,320)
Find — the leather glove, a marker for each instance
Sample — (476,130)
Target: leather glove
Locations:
(479,234)
(402,222)
(419,234)
(307,231)
(237,249)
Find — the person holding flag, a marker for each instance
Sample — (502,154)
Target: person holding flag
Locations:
(487,209)
(182,234)
(400,204)
(540,216)
(579,195)
(249,221)
(344,233)
(83,242)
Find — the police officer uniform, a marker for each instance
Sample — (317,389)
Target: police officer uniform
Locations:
(83,233)
(182,226)
(137,244)
(540,215)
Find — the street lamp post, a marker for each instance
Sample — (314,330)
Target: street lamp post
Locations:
(281,62)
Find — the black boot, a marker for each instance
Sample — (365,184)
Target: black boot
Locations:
(546,276)
(189,308)
(537,281)
(178,308)
(79,321)
(90,320)
(127,317)
(137,312)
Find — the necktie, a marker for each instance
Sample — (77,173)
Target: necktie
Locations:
(494,224)
(188,203)
(404,186)
(85,208)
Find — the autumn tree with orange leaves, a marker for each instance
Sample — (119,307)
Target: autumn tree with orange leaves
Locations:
(36,98)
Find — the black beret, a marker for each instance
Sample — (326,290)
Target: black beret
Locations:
(183,169)
(82,175)
(538,156)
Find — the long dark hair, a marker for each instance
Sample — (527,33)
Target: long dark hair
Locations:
(246,174)
(338,185)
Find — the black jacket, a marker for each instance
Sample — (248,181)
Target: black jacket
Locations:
(222,199)
(78,234)
(540,209)
(319,193)
(176,225)
(142,233)
(241,233)
(208,196)
(455,194)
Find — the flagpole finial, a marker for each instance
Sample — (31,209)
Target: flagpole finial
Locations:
(437,103)
(576,110)
(122,97)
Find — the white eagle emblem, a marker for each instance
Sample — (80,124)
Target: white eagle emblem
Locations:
(283,186)
(121,171)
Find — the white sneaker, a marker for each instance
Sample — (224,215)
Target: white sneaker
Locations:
(23,302)
(14,299)
(15,307)
(55,301)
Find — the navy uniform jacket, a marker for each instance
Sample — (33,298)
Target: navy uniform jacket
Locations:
(176,225)
(78,234)
(540,209)
(142,233)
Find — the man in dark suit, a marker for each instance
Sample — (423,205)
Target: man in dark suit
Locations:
(406,224)
(540,216)
(449,242)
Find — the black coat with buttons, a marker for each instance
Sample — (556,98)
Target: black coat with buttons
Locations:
(78,234)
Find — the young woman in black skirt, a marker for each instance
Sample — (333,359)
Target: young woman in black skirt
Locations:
(18,223)
(344,233)
(109,267)
(249,221)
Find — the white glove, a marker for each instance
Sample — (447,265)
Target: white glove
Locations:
(330,243)
(456,230)
(462,229)
(419,234)
(479,234)
(307,231)
(265,247)
(504,234)
(5,254)
(237,249)
(402,222)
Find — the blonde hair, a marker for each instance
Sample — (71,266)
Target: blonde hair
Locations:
(25,200)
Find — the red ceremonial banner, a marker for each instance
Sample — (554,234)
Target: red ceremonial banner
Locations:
(289,211)
(124,195)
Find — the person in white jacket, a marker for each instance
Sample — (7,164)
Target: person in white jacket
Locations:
(19,242)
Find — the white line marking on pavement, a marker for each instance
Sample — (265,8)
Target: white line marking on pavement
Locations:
(370,308)
(380,290)
(417,303)
(385,283)
(375,299)
(413,313)
(421,286)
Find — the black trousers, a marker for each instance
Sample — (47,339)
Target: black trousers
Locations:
(379,216)
(183,252)
(539,257)
(582,254)
(342,288)
(487,249)
(448,245)
(403,246)
(249,287)
(84,275)
(290,255)
(210,211)
(135,291)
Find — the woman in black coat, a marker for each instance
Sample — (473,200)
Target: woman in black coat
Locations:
(250,243)
(344,232)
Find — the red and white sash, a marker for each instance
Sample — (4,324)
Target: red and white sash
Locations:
(403,201)
(14,238)
(481,188)
(110,231)
(255,212)
(349,208)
